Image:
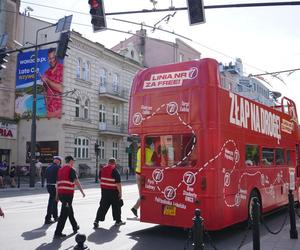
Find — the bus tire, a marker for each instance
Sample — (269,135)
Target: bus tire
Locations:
(254,194)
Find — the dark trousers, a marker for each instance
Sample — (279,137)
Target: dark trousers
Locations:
(52,204)
(66,211)
(109,198)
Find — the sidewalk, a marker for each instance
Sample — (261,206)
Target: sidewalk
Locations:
(85,181)
(280,241)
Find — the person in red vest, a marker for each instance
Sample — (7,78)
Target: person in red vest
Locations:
(66,182)
(111,193)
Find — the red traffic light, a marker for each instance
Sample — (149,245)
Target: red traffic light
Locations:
(98,15)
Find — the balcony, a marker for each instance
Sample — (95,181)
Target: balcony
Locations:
(109,129)
(115,92)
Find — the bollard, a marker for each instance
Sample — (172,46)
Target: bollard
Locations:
(80,239)
(255,224)
(198,231)
(293,229)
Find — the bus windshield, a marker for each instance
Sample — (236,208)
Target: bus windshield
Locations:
(172,150)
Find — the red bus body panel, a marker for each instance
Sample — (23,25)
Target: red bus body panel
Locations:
(188,98)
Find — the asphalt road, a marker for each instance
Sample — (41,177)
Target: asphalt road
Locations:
(22,228)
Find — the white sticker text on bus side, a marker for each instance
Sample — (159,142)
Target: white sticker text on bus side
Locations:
(170,79)
(261,120)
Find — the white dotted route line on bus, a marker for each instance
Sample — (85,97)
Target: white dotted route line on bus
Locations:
(172,109)
(241,193)
(170,192)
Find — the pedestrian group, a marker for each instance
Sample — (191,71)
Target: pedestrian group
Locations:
(61,183)
(62,180)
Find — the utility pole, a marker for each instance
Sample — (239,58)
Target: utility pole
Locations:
(32,169)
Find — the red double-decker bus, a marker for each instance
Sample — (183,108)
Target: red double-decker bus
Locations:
(214,149)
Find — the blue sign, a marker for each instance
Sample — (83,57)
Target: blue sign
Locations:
(26,65)
(48,101)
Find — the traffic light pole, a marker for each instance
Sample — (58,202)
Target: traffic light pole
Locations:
(222,6)
(33,121)
(97,165)
(97,151)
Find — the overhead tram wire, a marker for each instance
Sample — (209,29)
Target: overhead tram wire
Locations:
(170,32)
(163,30)
(174,33)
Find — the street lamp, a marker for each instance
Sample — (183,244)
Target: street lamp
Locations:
(62,25)
(33,122)
(26,10)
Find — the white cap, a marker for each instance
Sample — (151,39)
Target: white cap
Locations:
(57,157)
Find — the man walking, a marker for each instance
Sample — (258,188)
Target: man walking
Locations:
(111,193)
(51,178)
(66,181)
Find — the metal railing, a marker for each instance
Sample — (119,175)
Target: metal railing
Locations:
(114,90)
(108,127)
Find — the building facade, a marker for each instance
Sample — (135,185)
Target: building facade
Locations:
(232,78)
(8,126)
(96,85)
(152,52)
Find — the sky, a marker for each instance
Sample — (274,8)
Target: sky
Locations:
(267,39)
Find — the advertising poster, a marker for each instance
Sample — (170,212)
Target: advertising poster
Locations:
(49,84)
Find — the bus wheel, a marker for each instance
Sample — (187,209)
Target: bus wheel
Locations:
(254,194)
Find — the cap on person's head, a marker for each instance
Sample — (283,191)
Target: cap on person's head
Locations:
(57,157)
(112,160)
(69,158)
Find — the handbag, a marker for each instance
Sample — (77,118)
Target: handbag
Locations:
(121,202)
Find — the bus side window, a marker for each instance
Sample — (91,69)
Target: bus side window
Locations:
(279,156)
(290,157)
(267,156)
(252,155)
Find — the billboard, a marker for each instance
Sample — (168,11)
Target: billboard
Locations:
(49,84)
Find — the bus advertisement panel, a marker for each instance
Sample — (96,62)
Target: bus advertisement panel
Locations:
(211,148)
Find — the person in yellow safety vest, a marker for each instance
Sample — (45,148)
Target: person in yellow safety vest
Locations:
(149,161)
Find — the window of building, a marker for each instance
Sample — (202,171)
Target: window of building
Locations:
(279,156)
(115,82)
(81,148)
(252,155)
(115,116)
(115,149)
(267,156)
(102,150)
(77,107)
(181,57)
(78,68)
(102,113)
(86,71)
(103,77)
(86,109)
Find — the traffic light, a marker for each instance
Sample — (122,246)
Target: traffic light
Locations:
(3,54)
(98,15)
(196,11)
(97,148)
(63,45)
